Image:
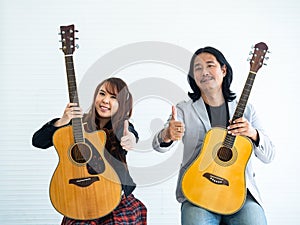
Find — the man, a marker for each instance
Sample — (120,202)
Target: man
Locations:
(212,104)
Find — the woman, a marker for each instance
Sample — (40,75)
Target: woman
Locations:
(212,104)
(110,111)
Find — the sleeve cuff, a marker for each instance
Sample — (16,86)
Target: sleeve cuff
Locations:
(162,143)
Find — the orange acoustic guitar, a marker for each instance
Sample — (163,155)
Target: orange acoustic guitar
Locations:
(216,179)
(84,185)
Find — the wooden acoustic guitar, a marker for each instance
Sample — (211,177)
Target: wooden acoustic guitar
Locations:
(216,179)
(84,185)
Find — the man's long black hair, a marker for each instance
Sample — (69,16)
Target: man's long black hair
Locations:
(196,94)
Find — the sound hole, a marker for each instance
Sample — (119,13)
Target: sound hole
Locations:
(81,153)
(224,154)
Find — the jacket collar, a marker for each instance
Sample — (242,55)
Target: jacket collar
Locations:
(231,108)
(200,109)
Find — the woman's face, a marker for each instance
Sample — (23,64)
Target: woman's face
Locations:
(106,103)
(208,72)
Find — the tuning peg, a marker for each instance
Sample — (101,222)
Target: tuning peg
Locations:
(63,48)
(63,40)
(253,47)
(77,46)
(248,59)
(71,31)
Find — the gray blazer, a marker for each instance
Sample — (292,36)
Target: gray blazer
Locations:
(196,120)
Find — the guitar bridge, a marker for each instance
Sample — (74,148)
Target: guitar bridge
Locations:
(84,182)
(216,179)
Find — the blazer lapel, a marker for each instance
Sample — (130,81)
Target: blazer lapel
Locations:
(231,108)
(200,109)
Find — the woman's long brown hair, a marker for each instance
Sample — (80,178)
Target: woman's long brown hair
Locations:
(119,88)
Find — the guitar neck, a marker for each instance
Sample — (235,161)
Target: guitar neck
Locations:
(73,97)
(244,96)
(256,62)
(229,139)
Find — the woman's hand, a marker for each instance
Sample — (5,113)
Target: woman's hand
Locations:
(71,111)
(128,140)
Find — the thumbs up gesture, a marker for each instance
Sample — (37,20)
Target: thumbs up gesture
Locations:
(175,130)
(128,139)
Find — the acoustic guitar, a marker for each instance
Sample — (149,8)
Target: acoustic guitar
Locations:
(216,179)
(84,185)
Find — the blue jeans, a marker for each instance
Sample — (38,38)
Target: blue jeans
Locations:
(250,214)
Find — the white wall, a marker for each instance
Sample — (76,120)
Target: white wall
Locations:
(33,89)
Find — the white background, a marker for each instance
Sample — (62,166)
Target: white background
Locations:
(33,89)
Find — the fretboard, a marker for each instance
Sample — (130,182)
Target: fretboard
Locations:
(73,97)
(229,139)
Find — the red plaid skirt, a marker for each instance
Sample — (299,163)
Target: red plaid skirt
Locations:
(130,211)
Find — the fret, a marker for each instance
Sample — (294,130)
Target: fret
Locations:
(229,141)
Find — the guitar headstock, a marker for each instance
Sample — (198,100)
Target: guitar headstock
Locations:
(260,50)
(68,39)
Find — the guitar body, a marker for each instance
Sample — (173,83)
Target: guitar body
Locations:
(84,186)
(216,179)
